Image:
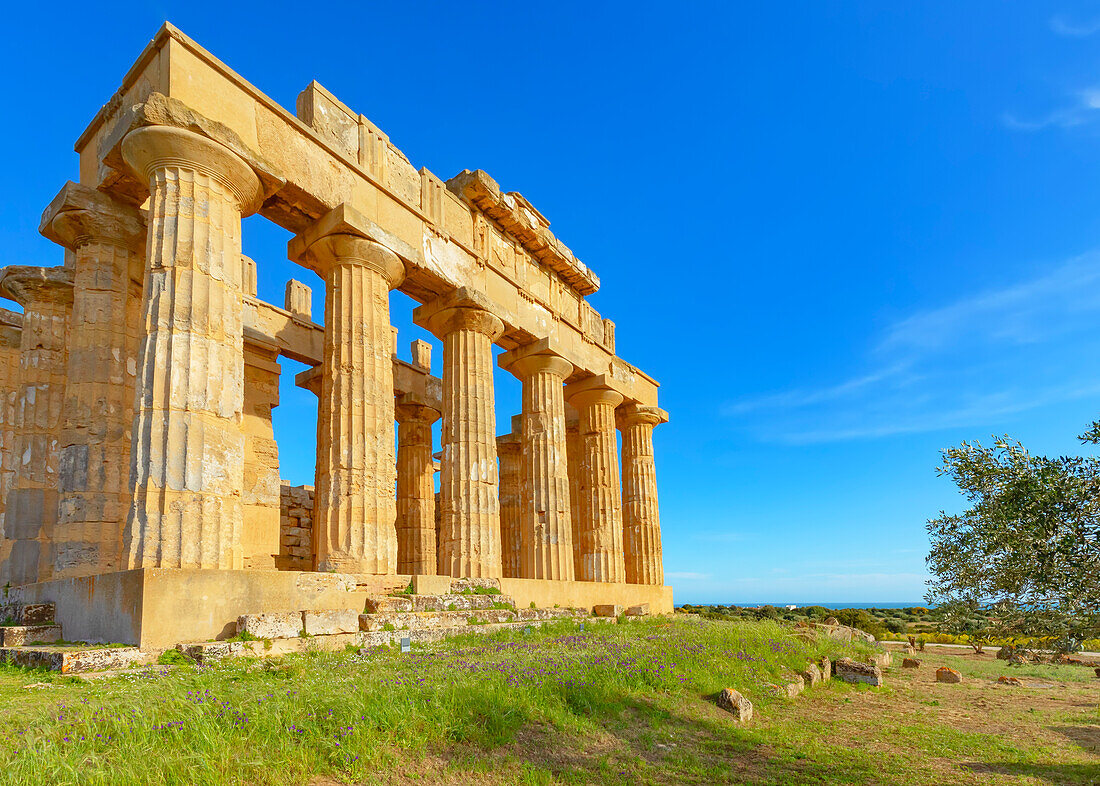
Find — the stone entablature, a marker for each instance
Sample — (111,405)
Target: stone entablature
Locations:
(149,350)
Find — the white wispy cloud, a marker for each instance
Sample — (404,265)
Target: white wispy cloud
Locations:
(1080,110)
(1067,27)
(985,357)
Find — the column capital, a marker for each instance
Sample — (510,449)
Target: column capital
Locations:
(460,309)
(631,414)
(345,236)
(149,148)
(25,284)
(412,407)
(348,249)
(593,390)
(535,357)
(79,215)
(464,318)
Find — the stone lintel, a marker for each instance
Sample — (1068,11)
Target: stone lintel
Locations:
(509,443)
(11,319)
(25,284)
(260,351)
(79,213)
(408,380)
(346,220)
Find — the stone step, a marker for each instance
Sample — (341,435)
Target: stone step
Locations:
(72,660)
(22,635)
(435,620)
(213,651)
(467,585)
(455,602)
(27,614)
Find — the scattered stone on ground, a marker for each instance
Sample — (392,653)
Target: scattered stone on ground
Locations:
(910,663)
(737,705)
(946,674)
(1004,680)
(853,671)
(791,686)
(607,610)
(826,667)
(640,610)
(811,675)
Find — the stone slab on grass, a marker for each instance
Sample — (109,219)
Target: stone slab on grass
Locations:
(811,675)
(327,623)
(73,660)
(948,675)
(273,625)
(607,610)
(640,610)
(853,671)
(21,635)
(737,705)
(910,663)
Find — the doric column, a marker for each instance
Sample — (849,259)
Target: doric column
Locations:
(574,452)
(601,530)
(107,239)
(545,525)
(470,525)
(641,520)
(11,332)
(354,504)
(416,547)
(261,495)
(508,449)
(46,294)
(187,455)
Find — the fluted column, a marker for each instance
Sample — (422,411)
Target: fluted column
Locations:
(187,455)
(470,506)
(11,332)
(46,294)
(601,530)
(545,525)
(416,546)
(355,505)
(641,519)
(107,239)
(574,452)
(508,449)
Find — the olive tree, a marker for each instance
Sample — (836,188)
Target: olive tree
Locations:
(1027,550)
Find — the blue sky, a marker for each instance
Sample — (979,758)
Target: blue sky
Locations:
(842,235)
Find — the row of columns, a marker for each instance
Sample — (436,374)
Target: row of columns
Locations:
(152,380)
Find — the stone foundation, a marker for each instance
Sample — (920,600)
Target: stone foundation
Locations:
(295,528)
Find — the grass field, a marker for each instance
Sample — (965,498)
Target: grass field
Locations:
(626,703)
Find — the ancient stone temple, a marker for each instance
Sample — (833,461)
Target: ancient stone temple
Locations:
(139,473)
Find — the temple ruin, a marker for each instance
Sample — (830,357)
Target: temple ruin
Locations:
(140,489)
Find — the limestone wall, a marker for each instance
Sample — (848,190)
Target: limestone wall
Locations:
(296,528)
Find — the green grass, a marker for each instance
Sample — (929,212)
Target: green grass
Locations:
(615,703)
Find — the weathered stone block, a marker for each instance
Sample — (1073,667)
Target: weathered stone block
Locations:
(37,614)
(275,625)
(640,610)
(607,610)
(811,675)
(945,674)
(853,671)
(327,623)
(21,635)
(737,705)
(388,604)
(910,663)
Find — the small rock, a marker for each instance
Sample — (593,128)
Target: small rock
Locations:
(641,610)
(36,686)
(832,621)
(851,671)
(1098,672)
(734,703)
(881,659)
(944,674)
(910,663)
(826,667)
(792,685)
(1003,680)
(811,675)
